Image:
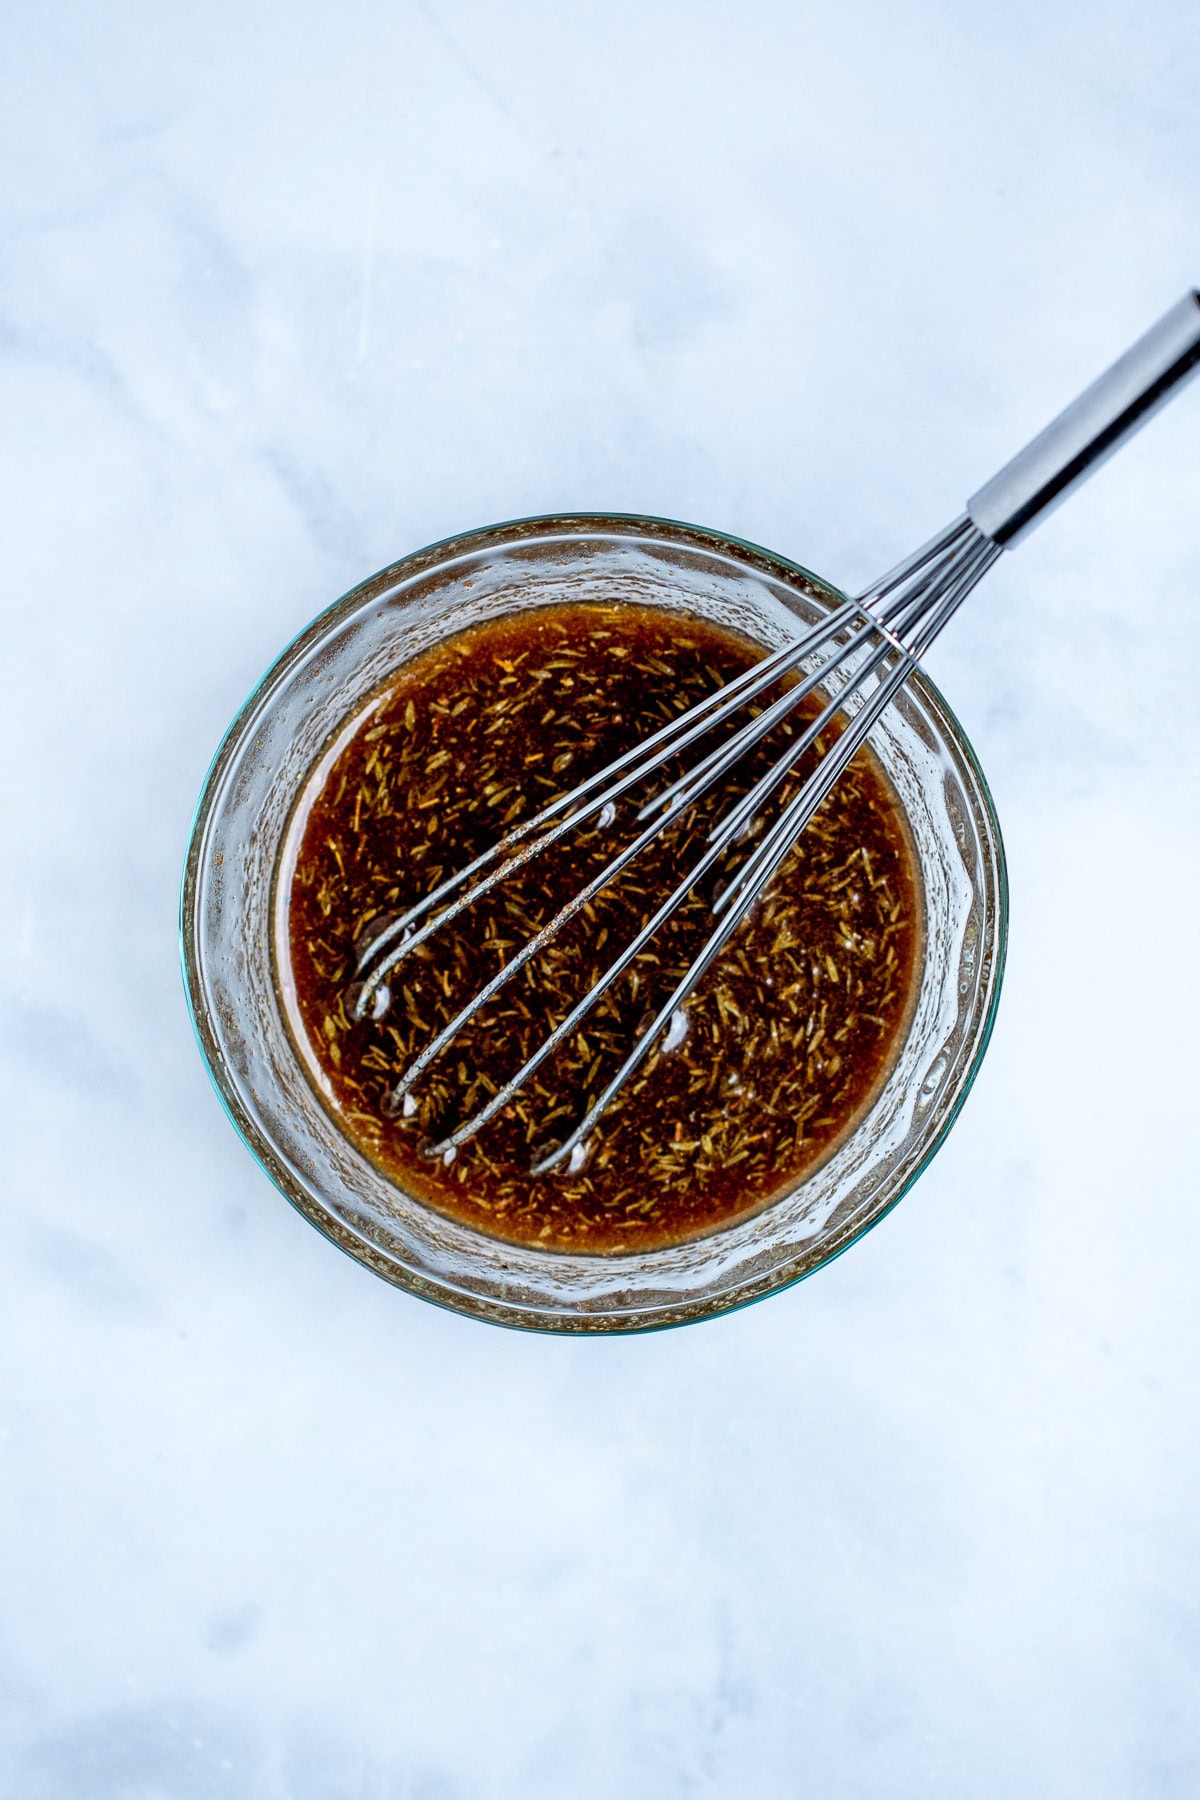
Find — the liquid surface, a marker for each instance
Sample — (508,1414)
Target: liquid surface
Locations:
(777,1054)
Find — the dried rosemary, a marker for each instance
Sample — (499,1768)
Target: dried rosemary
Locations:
(786,1041)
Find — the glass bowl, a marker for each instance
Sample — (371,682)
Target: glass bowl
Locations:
(232,916)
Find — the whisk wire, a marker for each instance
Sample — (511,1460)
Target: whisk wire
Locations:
(632,768)
(689,786)
(750,882)
(718,843)
(602,880)
(572,1021)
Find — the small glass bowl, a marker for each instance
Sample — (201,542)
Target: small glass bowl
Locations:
(233,914)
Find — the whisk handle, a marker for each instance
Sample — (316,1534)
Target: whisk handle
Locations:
(1062,456)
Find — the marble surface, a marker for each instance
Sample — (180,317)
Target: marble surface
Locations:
(287,292)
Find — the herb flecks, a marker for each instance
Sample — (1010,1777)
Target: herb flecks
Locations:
(787,1038)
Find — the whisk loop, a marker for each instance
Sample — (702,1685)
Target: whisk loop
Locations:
(856,659)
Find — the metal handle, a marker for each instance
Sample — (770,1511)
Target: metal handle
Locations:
(1008,507)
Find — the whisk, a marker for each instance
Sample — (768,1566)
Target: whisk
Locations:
(855,661)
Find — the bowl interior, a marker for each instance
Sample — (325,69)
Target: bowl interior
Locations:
(234,900)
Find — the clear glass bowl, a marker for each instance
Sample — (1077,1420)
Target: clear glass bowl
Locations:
(232,917)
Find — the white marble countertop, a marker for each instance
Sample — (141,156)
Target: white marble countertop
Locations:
(287,292)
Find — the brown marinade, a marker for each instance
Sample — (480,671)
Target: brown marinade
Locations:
(789,1035)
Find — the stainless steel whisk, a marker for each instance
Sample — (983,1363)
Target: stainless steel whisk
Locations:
(859,655)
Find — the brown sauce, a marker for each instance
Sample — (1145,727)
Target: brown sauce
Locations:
(788,1037)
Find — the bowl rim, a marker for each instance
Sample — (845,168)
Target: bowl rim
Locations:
(440,554)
